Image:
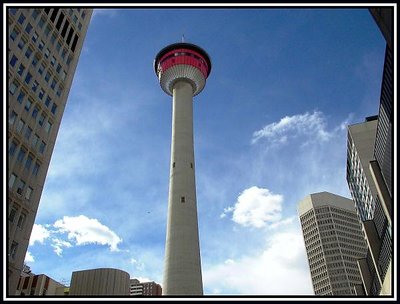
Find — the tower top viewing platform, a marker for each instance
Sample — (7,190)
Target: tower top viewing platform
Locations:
(182,61)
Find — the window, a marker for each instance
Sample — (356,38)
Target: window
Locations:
(41,22)
(35,37)
(58,68)
(80,26)
(63,74)
(13,11)
(28,52)
(35,141)
(41,119)
(35,13)
(41,45)
(59,91)
(12,118)
(20,125)
(14,34)
(53,39)
(21,69)
(28,193)
(12,215)
(47,77)
(58,47)
(35,112)
(28,105)
(47,53)
(42,147)
(13,249)
(54,108)
(35,86)
(48,101)
(47,30)
(41,69)
(28,28)
(48,126)
(21,97)
(75,19)
(21,220)
(53,61)
(35,61)
(28,133)
(13,60)
(53,84)
(20,187)
(36,168)
(12,148)
(21,43)
(28,162)
(21,154)
(182,199)
(41,94)
(11,181)
(13,87)
(28,78)
(21,19)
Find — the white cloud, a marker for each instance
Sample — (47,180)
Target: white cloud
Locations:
(104,12)
(277,269)
(58,244)
(293,126)
(138,265)
(39,234)
(84,230)
(256,207)
(29,257)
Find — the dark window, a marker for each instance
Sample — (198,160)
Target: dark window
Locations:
(71,32)
(13,61)
(54,108)
(28,78)
(65,27)
(182,199)
(28,28)
(36,168)
(54,15)
(74,43)
(60,20)
(12,148)
(21,19)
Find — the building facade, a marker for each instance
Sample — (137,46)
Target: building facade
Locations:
(360,151)
(39,285)
(99,282)
(376,267)
(43,51)
(144,289)
(334,241)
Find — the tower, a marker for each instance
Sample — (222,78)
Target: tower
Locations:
(334,241)
(44,45)
(182,69)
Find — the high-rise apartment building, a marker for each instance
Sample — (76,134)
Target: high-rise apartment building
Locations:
(334,241)
(145,288)
(44,45)
(360,151)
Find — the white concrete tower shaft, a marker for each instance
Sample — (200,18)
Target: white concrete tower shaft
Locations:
(182,69)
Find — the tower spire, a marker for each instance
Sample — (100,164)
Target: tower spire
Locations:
(183,37)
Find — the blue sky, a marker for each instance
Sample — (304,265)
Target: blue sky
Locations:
(270,128)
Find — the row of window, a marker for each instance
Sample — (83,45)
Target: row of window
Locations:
(14,215)
(27,77)
(20,185)
(30,158)
(20,126)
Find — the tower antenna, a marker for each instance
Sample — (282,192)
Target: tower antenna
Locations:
(183,37)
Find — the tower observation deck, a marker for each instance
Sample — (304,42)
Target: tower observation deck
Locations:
(182,69)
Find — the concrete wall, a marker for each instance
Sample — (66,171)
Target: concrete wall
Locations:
(99,282)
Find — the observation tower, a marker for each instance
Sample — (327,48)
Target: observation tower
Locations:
(182,69)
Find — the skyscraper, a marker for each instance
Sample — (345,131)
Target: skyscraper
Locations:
(182,69)
(360,151)
(43,51)
(334,241)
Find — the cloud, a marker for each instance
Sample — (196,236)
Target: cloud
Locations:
(39,234)
(58,244)
(83,230)
(294,126)
(138,265)
(256,207)
(29,257)
(104,12)
(278,268)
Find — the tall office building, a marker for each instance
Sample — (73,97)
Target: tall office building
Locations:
(360,151)
(182,69)
(43,51)
(334,241)
(376,267)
